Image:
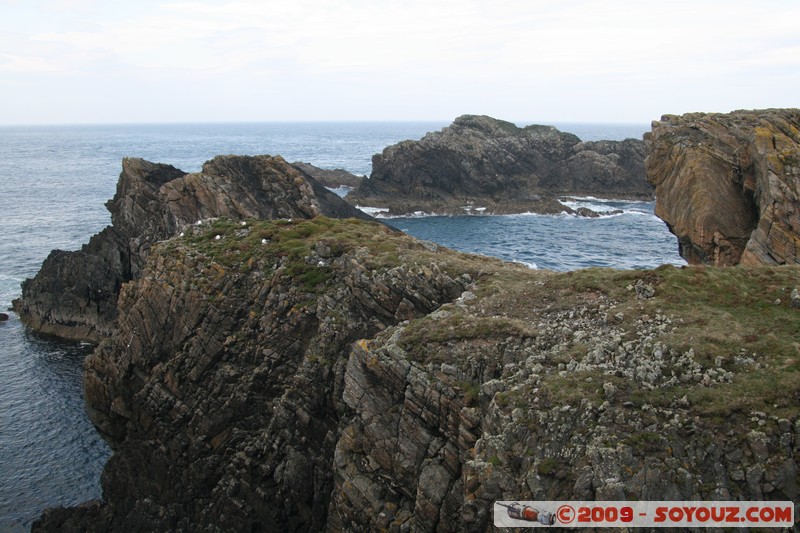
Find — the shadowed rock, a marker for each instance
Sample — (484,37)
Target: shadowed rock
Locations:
(330,178)
(727,185)
(74,295)
(482,161)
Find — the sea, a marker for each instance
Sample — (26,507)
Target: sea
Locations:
(55,180)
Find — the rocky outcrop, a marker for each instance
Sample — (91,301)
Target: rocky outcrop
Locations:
(330,178)
(480,161)
(728,185)
(314,375)
(225,375)
(74,295)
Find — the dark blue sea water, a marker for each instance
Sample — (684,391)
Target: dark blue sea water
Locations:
(54,182)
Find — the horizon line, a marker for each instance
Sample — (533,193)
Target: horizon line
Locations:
(310,121)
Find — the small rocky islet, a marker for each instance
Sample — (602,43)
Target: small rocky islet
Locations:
(482,165)
(284,366)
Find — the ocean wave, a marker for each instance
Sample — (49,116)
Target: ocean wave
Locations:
(341,191)
(383,213)
(377,212)
(569,198)
(562,214)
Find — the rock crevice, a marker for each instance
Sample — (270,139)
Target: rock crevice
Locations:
(74,295)
(480,162)
(727,185)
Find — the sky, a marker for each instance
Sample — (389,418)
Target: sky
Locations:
(625,61)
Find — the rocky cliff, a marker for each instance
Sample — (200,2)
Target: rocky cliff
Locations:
(480,161)
(314,375)
(728,185)
(75,293)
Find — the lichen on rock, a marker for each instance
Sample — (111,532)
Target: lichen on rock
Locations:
(310,373)
(334,374)
(74,295)
(727,185)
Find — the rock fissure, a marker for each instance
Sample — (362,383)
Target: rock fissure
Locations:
(321,374)
(718,194)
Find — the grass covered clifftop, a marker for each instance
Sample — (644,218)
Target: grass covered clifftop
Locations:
(726,339)
(739,323)
(321,373)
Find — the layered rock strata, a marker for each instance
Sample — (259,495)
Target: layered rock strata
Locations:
(226,371)
(314,375)
(728,185)
(480,161)
(74,295)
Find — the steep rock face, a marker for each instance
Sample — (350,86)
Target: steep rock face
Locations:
(333,375)
(75,293)
(480,160)
(728,185)
(225,374)
(570,394)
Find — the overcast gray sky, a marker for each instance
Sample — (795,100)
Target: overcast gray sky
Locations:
(93,61)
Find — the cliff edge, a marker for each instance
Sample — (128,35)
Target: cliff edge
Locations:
(728,185)
(321,374)
(482,162)
(74,295)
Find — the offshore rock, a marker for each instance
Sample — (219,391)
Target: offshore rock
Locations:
(74,295)
(482,162)
(728,185)
(330,178)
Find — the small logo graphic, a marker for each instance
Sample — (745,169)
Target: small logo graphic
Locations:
(527,513)
(628,514)
(565,514)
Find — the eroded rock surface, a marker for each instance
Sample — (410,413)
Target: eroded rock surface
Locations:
(220,391)
(728,185)
(74,295)
(333,375)
(480,161)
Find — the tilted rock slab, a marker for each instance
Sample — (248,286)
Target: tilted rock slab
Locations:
(728,185)
(74,295)
(323,375)
(220,392)
(482,161)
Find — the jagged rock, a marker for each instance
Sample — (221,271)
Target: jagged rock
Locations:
(313,374)
(225,374)
(330,178)
(74,295)
(483,162)
(644,290)
(727,185)
(345,377)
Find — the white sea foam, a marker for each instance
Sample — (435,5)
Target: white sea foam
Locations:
(377,212)
(532,266)
(341,191)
